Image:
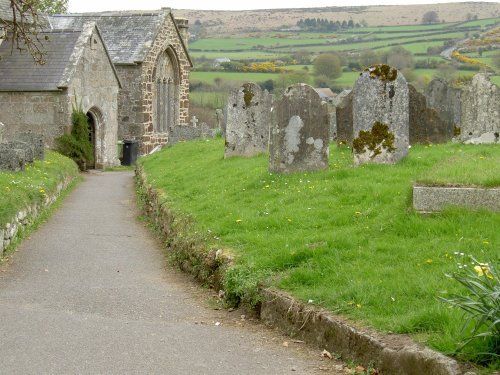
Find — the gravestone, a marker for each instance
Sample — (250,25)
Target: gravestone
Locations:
(11,158)
(2,128)
(425,124)
(343,112)
(219,118)
(446,100)
(480,111)
(332,121)
(380,116)
(299,134)
(247,122)
(194,122)
(36,142)
(205,130)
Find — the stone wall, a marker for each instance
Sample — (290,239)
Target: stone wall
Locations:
(45,113)
(27,215)
(130,116)
(167,37)
(95,85)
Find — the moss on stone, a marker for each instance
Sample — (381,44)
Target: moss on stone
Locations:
(247,94)
(456,130)
(383,72)
(375,140)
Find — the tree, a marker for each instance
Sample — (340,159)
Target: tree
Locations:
(327,65)
(368,57)
(24,26)
(400,58)
(496,59)
(430,17)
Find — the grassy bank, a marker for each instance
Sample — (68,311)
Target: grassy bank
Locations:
(346,238)
(20,189)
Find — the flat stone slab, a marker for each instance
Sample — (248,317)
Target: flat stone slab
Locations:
(436,198)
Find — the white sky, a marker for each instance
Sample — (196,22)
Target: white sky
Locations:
(77,6)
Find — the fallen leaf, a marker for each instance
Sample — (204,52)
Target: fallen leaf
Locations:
(360,369)
(325,353)
(285,344)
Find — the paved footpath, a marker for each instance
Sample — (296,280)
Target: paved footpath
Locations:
(90,293)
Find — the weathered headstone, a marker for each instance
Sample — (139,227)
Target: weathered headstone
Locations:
(219,118)
(343,112)
(425,124)
(247,122)
(36,142)
(205,130)
(299,134)
(480,111)
(380,116)
(332,120)
(194,122)
(446,100)
(11,158)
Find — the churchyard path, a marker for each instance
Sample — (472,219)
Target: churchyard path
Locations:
(90,293)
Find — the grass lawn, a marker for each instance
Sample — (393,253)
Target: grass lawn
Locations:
(20,189)
(346,238)
(208,77)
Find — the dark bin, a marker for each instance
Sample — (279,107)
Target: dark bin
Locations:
(130,151)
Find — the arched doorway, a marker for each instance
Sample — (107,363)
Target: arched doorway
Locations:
(91,121)
(166,92)
(96,133)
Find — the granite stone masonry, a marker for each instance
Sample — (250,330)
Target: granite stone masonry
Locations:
(425,124)
(2,129)
(344,120)
(248,120)
(11,158)
(480,111)
(446,100)
(380,116)
(299,133)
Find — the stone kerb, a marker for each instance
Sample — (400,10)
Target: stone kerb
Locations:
(480,111)
(380,116)
(299,134)
(247,121)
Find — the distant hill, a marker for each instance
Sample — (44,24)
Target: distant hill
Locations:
(222,23)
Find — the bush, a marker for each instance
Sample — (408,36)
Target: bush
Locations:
(77,145)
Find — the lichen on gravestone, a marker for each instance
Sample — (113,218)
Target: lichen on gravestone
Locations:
(379,139)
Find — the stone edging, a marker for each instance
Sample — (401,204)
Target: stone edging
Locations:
(392,354)
(27,215)
(435,198)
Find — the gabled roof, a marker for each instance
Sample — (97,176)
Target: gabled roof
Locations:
(63,49)
(128,34)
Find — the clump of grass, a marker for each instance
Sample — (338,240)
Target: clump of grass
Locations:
(345,238)
(19,189)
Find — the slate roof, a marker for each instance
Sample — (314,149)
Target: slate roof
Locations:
(19,72)
(128,35)
(5,10)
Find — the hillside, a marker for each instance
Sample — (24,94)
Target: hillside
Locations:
(219,23)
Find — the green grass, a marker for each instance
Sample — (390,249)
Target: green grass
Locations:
(20,189)
(345,238)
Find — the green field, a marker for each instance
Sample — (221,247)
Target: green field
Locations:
(346,238)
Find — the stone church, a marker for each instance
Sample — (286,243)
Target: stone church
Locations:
(149,52)
(146,80)
(78,73)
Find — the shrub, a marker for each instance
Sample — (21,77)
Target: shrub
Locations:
(480,304)
(77,145)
